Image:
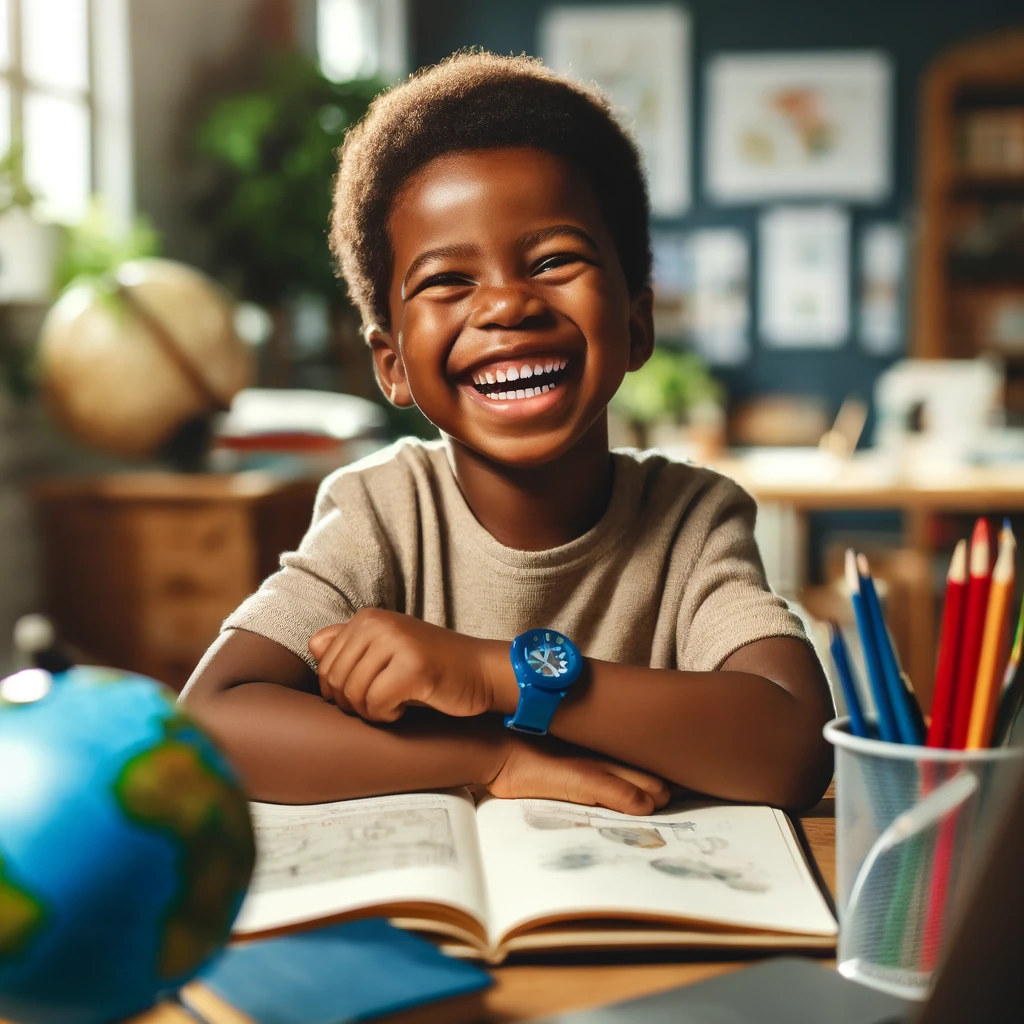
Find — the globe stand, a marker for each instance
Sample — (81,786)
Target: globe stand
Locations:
(186,1007)
(185,451)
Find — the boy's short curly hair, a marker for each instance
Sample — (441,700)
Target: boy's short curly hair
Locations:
(479,100)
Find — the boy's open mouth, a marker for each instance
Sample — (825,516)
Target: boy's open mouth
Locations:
(524,379)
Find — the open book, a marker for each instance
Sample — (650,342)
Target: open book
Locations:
(509,876)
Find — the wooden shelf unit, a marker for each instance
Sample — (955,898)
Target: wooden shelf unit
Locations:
(970,247)
(140,569)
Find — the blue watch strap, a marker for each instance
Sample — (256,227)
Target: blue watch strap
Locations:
(536,709)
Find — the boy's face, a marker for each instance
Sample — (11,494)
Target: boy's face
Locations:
(512,325)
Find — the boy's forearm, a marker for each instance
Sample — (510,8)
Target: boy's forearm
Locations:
(734,733)
(293,747)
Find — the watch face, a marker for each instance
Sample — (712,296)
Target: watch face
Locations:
(546,653)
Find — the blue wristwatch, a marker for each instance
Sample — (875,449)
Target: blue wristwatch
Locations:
(546,664)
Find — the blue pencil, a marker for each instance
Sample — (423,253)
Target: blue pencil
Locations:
(887,727)
(858,726)
(910,726)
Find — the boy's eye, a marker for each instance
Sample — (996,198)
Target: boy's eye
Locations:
(441,281)
(562,259)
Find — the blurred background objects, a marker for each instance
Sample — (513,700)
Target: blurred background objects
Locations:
(838,238)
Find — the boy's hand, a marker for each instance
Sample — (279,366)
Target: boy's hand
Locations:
(531,770)
(380,661)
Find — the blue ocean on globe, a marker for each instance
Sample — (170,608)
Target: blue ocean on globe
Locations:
(125,846)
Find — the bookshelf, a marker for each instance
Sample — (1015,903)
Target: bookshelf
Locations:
(970,249)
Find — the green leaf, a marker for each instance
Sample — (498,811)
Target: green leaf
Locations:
(668,385)
(94,247)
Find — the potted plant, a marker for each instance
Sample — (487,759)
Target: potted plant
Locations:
(673,400)
(27,245)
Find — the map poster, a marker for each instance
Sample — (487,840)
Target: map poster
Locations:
(795,125)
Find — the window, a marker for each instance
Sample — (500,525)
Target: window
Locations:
(362,38)
(63,95)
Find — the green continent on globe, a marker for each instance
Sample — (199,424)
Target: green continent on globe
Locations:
(22,917)
(170,788)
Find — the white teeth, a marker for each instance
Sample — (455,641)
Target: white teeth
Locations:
(512,374)
(538,369)
(493,398)
(549,366)
(501,377)
(490,378)
(521,393)
(526,372)
(502,396)
(530,392)
(545,389)
(562,363)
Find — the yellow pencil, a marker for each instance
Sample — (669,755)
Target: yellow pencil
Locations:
(993,645)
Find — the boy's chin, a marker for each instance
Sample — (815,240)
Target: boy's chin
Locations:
(521,453)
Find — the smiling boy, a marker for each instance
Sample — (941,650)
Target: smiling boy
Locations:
(491,221)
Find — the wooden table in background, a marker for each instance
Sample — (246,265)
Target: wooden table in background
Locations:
(530,992)
(865,482)
(140,569)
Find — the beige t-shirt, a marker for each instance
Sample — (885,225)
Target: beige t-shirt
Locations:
(669,578)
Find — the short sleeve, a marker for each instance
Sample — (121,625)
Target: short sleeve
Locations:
(342,564)
(727,602)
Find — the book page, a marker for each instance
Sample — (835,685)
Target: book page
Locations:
(320,860)
(733,866)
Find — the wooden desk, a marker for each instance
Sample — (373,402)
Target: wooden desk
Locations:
(918,490)
(869,482)
(523,993)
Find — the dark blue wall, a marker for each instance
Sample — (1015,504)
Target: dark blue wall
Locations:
(912,32)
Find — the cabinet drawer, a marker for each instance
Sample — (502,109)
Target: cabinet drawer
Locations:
(194,553)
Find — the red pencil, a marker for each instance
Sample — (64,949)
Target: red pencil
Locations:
(976,606)
(949,647)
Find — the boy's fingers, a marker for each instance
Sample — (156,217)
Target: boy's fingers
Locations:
(614,792)
(371,689)
(384,700)
(658,789)
(329,689)
(321,639)
(351,650)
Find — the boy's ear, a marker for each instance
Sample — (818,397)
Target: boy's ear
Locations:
(389,367)
(641,328)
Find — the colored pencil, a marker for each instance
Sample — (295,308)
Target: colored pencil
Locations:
(911,730)
(858,726)
(1012,694)
(887,728)
(975,612)
(949,646)
(993,646)
(978,584)
(907,722)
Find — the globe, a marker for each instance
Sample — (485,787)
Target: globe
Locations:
(125,846)
(127,361)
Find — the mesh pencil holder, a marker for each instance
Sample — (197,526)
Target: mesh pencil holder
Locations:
(911,827)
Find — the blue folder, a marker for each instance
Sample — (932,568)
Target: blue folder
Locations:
(347,972)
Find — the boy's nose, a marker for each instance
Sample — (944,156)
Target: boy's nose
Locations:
(509,307)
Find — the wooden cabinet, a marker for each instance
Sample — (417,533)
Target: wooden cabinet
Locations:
(141,569)
(970,253)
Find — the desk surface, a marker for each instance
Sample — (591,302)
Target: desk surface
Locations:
(870,481)
(529,992)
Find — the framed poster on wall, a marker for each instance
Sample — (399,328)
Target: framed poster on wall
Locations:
(639,55)
(701,282)
(882,264)
(804,281)
(799,125)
